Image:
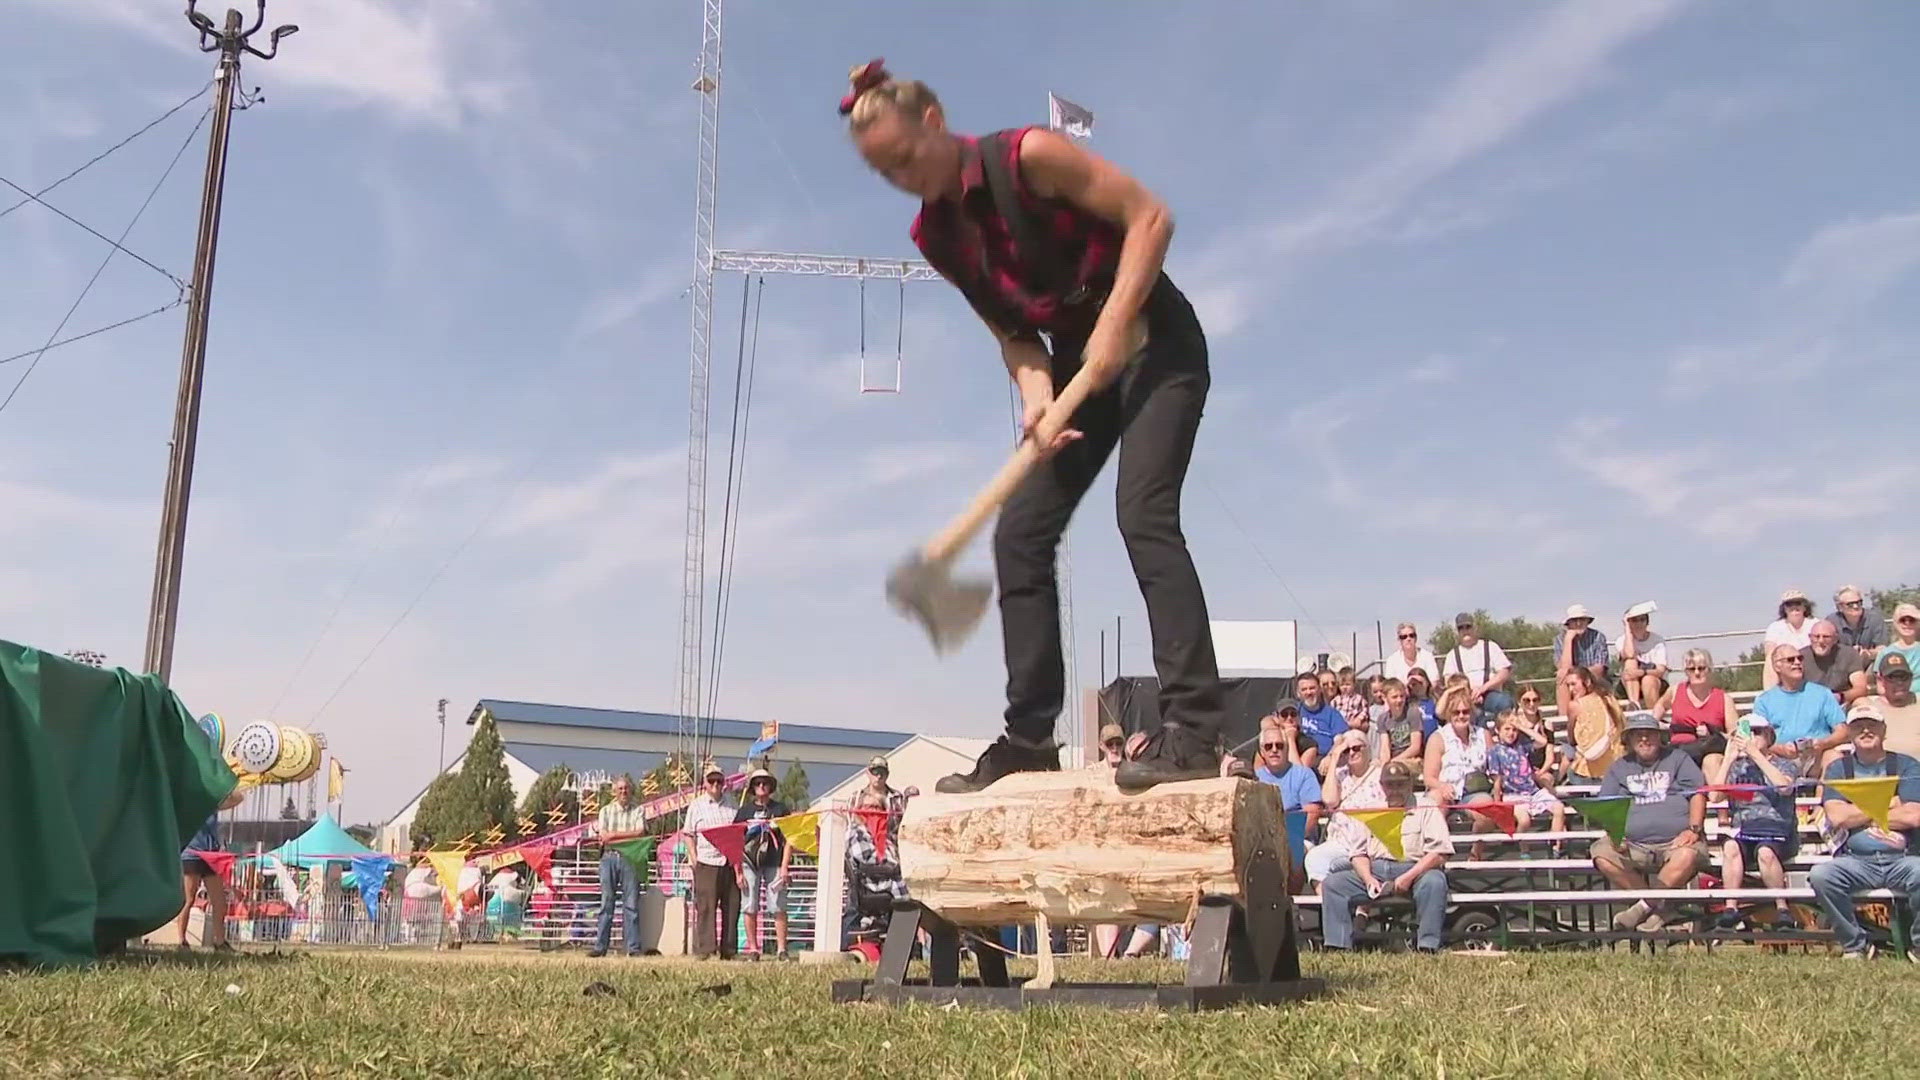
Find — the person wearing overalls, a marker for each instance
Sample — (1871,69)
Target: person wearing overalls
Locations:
(1060,254)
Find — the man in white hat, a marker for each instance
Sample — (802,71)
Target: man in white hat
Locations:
(1643,656)
(764,870)
(715,890)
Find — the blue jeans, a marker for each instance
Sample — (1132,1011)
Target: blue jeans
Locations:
(1835,882)
(1343,891)
(1495,703)
(617,877)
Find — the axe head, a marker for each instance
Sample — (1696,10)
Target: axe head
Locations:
(926,591)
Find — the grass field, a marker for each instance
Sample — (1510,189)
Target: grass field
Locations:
(490,1012)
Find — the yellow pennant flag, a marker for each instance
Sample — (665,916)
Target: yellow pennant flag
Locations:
(447,866)
(1872,794)
(802,831)
(336,780)
(1385,825)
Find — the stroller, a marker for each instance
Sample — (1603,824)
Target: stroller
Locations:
(872,887)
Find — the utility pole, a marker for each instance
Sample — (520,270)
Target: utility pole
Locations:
(443,734)
(229,42)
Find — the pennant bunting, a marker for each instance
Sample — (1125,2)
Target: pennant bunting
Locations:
(1385,826)
(1735,793)
(802,831)
(218,861)
(447,866)
(1872,794)
(639,854)
(538,859)
(1609,813)
(730,839)
(876,821)
(1500,813)
(370,877)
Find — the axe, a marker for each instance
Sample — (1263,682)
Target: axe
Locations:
(922,586)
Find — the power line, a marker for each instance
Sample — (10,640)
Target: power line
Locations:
(1252,543)
(101,269)
(161,310)
(102,155)
(115,244)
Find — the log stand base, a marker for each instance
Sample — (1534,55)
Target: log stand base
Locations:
(1236,958)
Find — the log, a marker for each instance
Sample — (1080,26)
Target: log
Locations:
(1072,846)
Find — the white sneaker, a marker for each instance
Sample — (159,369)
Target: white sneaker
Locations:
(1632,917)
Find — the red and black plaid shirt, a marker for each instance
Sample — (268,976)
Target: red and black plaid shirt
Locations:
(968,242)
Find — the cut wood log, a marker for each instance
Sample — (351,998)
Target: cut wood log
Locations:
(1072,846)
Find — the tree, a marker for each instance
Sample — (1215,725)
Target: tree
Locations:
(445,813)
(1888,599)
(363,833)
(485,770)
(793,787)
(468,802)
(1533,667)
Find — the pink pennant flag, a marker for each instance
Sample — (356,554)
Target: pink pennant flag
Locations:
(1735,793)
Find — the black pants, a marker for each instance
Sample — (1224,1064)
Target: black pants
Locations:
(715,887)
(1151,412)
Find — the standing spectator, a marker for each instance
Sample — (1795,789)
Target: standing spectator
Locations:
(1420,873)
(1643,657)
(1318,718)
(1789,629)
(619,884)
(196,872)
(1515,777)
(1766,829)
(716,893)
(1400,722)
(1839,668)
(1863,627)
(767,865)
(1351,703)
(1906,636)
(1665,825)
(1701,712)
(1485,665)
(1865,855)
(1579,645)
(1595,723)
(1299,791)
(1897,706)
(1410,654)
(1807,721)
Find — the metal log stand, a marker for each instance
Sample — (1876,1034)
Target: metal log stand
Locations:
(1238,956)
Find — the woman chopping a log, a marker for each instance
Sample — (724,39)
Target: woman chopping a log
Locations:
(1041,236)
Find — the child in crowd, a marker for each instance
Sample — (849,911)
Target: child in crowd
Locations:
(1516,779)
(1348,699)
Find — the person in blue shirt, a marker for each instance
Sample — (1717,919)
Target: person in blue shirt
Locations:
(1278,763)
(1807,722)
(1866,856)
(1319,720)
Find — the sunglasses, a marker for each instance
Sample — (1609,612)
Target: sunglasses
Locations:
(1791,660)
(1273,746)
(1698,667)
(1852,604)
(1529,700)
(1408,637)
(1463,626)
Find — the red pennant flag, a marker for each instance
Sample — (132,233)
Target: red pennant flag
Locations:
(220,861)
(539,860)
(1738,793)
(1501,813)
(730,839)
(876,822)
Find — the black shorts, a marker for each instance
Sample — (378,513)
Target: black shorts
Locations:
(1750,852)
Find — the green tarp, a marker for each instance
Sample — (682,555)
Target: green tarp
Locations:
(104,776)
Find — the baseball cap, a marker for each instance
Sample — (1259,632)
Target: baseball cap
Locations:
(712,769)
(1906,609)
(1643,608)
(1895,664)
(1578,611)
(1465,618)
(1757,721)
(1866,710)
(1286,703)
(1641,720)
(877,762)
(1110,732)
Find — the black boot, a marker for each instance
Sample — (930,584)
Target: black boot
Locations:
(1003,758)
(1173,753)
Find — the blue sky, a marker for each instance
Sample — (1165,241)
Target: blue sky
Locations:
(1510,306)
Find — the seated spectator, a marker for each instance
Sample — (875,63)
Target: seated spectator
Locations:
(1906,636)
(1897,706)
(1807,721)
(1579,645)
(1456,759)
(1329,685)
(1485,665)
(1863,627)
(1701,713)
(1401,723)
(1549,753)
(1374,873)
(1839,668)
(1664,845)
(1866,856)
(1376,691)
(1348,698)
(1516,779)
(1595,723)
(1319,719)
(1420,692)
(1766,830)
(1277,764)
(1791,628)
(1352,783)
(1643,657)
(1286,717)
(1410,654)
